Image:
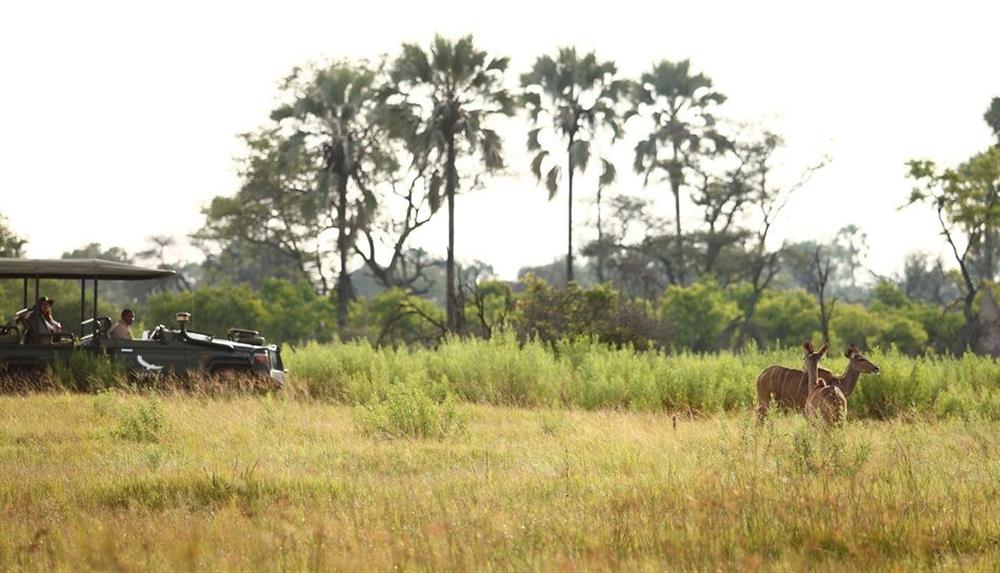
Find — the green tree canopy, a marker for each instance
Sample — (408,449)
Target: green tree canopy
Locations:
(445,98)
(572,98)
(334,117)
(11,245)
(677,106)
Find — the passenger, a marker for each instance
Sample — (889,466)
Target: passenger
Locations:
(41,324)
(120,329)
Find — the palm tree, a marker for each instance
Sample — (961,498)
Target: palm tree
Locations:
(446,95)
(334,115)
(575,97)
(679,107)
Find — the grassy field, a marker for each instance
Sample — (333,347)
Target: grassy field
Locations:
(180,482)
(592,376)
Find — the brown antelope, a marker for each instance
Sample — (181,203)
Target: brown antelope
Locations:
(826,401)
(790,387)
(787,386)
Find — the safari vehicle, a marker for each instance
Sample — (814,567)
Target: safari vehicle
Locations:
(163,350)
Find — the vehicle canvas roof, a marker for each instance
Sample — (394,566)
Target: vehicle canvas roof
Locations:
(77,269)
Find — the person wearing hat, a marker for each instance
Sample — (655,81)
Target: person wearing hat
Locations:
(41,324)
(120,329)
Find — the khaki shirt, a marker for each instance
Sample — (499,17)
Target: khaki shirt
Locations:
(120,330)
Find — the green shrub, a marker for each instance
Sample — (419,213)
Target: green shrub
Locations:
(903,333)
(143,423)
(214,310)
(395,317)
(787,317)
(408,412)
(854,324)
(86,371)
(585,373)
(696,316)
(552,314)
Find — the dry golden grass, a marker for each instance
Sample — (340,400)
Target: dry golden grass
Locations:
(129,482)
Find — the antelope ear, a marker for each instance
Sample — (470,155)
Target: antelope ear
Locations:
(851,350)
(824,348)
(807,346)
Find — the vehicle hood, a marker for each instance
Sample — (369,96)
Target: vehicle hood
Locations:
(221,343)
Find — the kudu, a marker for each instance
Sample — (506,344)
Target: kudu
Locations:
(824,401)
(790,387)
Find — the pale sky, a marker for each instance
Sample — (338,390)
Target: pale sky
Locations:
(118,120)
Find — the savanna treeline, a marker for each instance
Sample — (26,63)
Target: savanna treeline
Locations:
(357,156)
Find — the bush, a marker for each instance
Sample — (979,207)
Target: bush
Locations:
(907,335)
(696,316)
(294,312)
(490,308)
(853,324)
(591,375)
(142,424)
(87,372)
(549,314)
(214,310)
(787,317)
(395,317)
(408,412)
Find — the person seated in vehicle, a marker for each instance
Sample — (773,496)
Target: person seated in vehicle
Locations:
(120,329)
(41,324)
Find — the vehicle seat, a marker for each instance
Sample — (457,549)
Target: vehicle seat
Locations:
(20,322)
(102,327)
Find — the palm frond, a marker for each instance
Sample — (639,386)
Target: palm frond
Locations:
(536,164)
(552,181)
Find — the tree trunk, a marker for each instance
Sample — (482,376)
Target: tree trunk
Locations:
(675,187)
(451,299)
(971,324)
(989,241)
(345,290)
(569,250)
(600,239)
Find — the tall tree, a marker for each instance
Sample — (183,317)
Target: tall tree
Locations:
(445,96)
(11,245)
(334,116)
(967,202)
(277,214)
(678,108)
(573,97)
(822,267)
(855,242)
(992,117)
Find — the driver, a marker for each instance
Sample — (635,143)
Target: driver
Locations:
(120,329)
(41,324)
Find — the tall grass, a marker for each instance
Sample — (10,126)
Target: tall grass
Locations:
(589,375)
(267,483)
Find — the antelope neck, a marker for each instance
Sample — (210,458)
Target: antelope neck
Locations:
(848,380)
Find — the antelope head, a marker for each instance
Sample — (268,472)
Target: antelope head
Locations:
(859,361)
(812,358)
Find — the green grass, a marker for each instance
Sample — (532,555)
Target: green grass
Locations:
(271,483)
(592,376)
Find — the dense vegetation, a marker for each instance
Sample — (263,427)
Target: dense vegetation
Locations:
(316,243)
(584,374)
(592,376)
(594,414)
(181,483)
